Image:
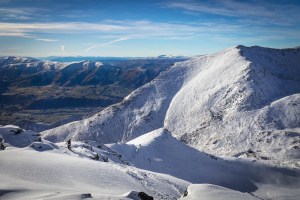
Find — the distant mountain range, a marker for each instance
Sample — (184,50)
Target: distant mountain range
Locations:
(29,83)
(106,59)
(25,72)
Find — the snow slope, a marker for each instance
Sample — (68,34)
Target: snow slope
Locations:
(28,174)
(14,140)
(37,171)
(155,163)
(213,192)
(242,102)
(160,152)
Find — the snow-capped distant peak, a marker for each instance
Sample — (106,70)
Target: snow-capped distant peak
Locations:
(173,56)
(98,64)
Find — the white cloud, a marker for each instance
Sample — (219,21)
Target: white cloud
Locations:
(46,40)
(145,30)
(107,43)
(62,48)
(17,34)
(60,27)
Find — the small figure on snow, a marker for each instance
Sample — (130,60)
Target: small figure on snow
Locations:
(97,157)
(185,193)
(18,131)
(39,139)
(69,144)
(2,147)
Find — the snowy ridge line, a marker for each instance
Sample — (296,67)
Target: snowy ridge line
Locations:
(243,101)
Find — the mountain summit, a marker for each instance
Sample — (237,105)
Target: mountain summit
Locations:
(242,102)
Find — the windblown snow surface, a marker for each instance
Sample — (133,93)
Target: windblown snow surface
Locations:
(241,102)
(155,163)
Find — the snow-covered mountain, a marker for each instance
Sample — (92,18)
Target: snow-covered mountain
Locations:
(243,102)
(28,65)
(25,72)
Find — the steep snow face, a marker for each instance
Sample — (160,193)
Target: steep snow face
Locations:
(246,100)
(231,83)
(142,111)
(273,74)
(214,90)
(243,101)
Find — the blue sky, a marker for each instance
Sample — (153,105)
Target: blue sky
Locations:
(144,27)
